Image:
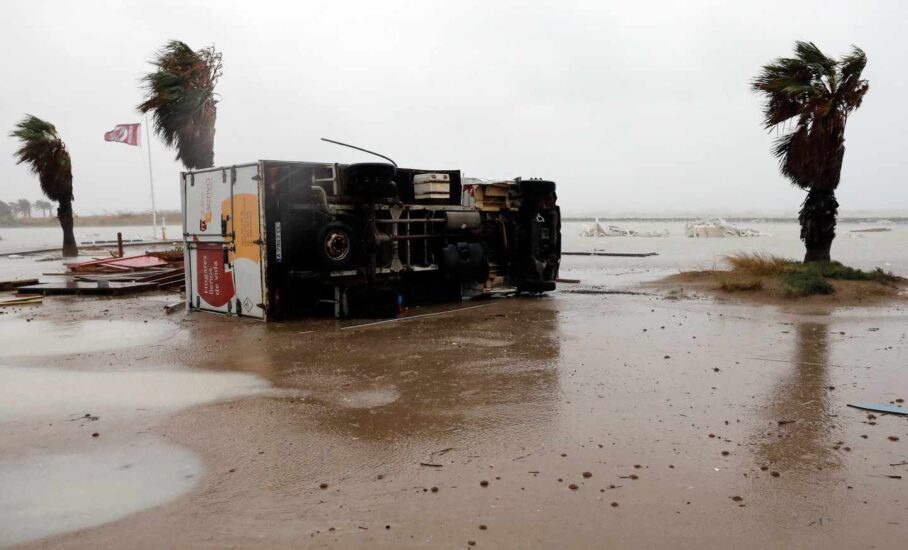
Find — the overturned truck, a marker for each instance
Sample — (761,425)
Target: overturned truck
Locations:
(279,240)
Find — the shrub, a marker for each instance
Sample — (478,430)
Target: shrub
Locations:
(804,282)
(835,270)
(758,263)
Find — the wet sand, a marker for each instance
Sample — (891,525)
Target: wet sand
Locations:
(574,421)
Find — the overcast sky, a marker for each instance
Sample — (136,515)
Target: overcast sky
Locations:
(630,106)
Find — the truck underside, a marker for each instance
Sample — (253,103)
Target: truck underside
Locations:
(363,239)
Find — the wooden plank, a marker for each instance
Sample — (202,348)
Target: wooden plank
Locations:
(31,300)
(91,289)
(16,283)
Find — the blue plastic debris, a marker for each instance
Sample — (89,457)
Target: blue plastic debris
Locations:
(880,407)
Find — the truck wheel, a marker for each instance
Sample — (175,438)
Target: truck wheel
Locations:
(335,246)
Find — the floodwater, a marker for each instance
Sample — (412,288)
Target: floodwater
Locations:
(74,444)
(46,494)
(15,239)
(55,337)
(863,250)
(570,421)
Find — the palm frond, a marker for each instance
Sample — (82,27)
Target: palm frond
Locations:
(820,92)
(180,95)
(45,153)
(852,65)
(809,53)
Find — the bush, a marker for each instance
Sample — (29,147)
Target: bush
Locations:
(758,263)
(835,270)
(804,282)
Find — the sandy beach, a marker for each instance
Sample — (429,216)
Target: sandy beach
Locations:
(642,418)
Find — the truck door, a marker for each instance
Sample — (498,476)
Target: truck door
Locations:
(246,254)
(206,204)
(222,241)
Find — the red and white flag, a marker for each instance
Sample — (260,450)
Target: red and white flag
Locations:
(124,133)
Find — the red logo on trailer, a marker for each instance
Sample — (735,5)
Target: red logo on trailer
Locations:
(213,282)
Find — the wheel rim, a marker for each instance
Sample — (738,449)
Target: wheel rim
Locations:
(337,245)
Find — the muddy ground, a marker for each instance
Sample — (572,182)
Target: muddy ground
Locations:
(576,420)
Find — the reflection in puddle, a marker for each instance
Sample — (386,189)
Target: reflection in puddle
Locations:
(45,495)
(19,338)
(800,409)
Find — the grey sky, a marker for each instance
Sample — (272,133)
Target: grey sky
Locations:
(630,107)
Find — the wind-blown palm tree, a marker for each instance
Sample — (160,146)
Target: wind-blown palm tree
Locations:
(24,207)
(45,207)
(7,212)
(46,155)
(180,95)
(818,93)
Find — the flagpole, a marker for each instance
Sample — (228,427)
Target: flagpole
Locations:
(154,211)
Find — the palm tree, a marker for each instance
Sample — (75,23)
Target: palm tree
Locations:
(47,157)
(817,93)
(180,95)
(7,212)
(45,207)
(24,207)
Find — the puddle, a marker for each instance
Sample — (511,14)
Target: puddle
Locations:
(369,399)
(55,477)
(19,338)
(29,393)
(45,495)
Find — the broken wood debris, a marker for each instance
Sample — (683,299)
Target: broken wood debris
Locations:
(118,275)
(22,301)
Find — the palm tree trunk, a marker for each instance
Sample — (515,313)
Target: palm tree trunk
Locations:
(818,219)
(65,215)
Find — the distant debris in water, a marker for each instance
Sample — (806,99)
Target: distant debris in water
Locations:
(598,230)
(872,230)
(717,227)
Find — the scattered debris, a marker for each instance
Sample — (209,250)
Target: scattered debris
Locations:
(117,276)
(598,230)
(717,227)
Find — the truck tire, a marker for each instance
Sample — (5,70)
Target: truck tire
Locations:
(335,246)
